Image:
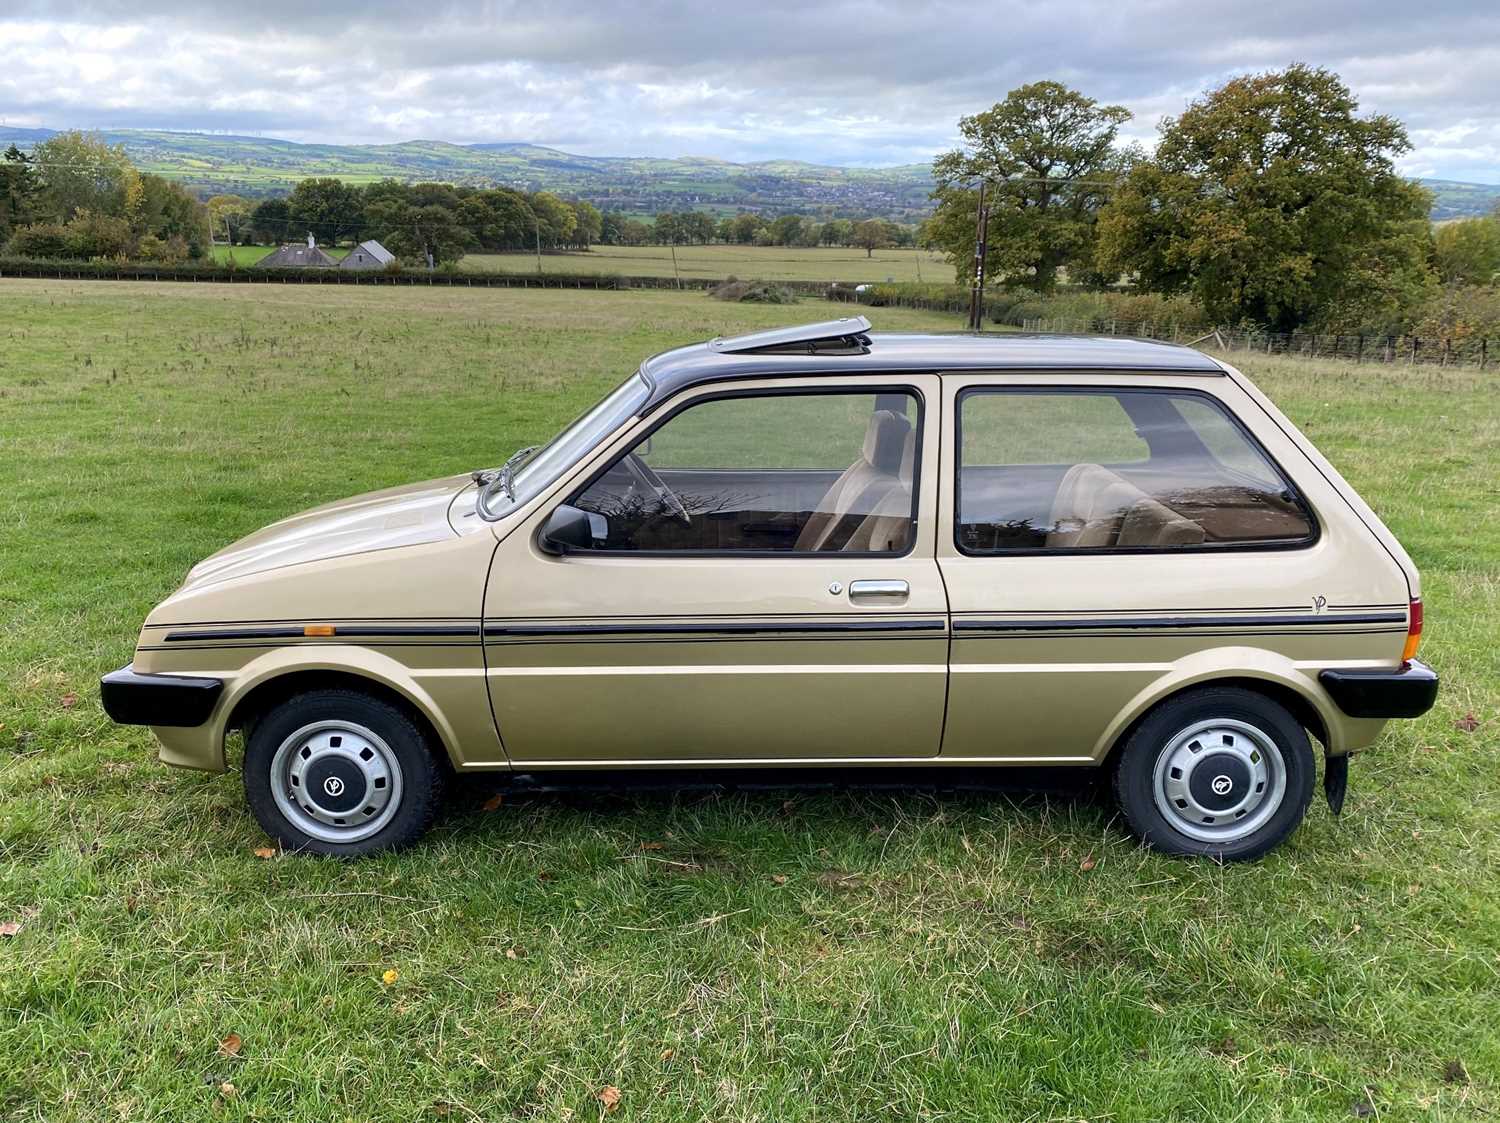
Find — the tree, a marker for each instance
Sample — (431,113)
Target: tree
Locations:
(588,224)
(20,191)
(872,234)
(666,229)
(81,173)
(1468,251)
(327,208)
(555,217)
(1047,157)
(270,221)
(745,226)
(422,231)
(838,232)
(786,229)
(230,215)
(1272,202)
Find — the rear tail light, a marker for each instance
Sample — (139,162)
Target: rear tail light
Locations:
(1413,632)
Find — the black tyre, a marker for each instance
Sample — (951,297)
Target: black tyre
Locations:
(1219,772)
(343,773)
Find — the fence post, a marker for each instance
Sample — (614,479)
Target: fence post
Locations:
(1447,350)
(1414,345)
(1359,348)
(1484,348)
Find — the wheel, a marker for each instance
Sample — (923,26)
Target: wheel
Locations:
(343,773)
(1219,772)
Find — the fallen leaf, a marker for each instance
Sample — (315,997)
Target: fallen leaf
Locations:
(228,1090)
(609,1096)
(1088,863)
(779,878)
(494,802)
(1455,1073)
(230,1046)
(653,846)
(10,928)
(69,700)
(442,1109)
(668,1054)
(390,977)
(1468,723)
(515,953)
(265,852)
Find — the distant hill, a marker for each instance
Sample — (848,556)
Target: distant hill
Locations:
(254,166)
(1452,199)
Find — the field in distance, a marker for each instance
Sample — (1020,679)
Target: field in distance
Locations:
(760,263)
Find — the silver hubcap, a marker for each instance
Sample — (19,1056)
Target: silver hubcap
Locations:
(336,781)
(1219,780)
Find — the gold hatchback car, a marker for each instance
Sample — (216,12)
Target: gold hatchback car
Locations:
(811,547)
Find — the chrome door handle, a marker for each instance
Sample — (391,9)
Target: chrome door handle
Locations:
(893,589)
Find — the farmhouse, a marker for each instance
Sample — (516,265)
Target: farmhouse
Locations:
(295,255)
(368,255)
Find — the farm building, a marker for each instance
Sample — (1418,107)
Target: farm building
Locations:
(296,255)
(368,255)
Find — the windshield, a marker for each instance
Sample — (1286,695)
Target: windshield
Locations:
(564,450)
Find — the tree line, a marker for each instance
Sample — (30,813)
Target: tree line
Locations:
(73,196)
(1270,202)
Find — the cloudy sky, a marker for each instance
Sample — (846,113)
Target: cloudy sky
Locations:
(845,82)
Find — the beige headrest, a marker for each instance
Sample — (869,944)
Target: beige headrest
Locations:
(884,441)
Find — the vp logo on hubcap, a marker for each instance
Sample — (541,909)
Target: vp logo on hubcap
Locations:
(1222,785)
(335,787)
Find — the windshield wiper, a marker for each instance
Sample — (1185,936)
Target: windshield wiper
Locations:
(504,477)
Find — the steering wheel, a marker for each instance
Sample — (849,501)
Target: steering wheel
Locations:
(648,478)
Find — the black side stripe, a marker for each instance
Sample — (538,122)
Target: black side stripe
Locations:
(978,624)
(341,631)
(727,627)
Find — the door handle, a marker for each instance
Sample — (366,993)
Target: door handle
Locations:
(895,590)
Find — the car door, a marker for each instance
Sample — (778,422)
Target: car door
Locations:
(1103,532)
(764,587)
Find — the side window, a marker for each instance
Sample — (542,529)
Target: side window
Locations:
(779,473)
(1115,469)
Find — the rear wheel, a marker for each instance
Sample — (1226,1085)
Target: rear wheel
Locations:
(1218,772)
(343,773)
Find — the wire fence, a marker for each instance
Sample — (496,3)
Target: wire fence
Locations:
(1358,347)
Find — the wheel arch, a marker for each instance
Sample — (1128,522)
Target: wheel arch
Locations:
(1271,676)
(273,684)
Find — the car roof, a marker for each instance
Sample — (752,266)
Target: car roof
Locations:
(846,347)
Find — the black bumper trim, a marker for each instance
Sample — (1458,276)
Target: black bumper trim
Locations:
(178,700)
(1409,692)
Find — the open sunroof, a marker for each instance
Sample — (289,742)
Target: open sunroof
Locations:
(831,337)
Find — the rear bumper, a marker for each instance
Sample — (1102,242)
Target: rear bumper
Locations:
(161,700)
(1408,692)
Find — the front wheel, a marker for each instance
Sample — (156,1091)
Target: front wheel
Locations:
(343,773)
(1218,772)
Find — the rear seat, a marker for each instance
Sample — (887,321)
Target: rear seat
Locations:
(1095,507)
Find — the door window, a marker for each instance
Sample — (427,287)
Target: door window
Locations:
(775,473)
(1115,470)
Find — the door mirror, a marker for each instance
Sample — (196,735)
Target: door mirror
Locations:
(569,528)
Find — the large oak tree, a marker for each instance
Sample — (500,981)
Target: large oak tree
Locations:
(1272,202)
(1047,157)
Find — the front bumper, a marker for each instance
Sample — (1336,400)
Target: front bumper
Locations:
(1408,692)
(131,698)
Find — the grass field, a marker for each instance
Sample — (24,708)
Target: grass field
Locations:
(765,263)
(838,956)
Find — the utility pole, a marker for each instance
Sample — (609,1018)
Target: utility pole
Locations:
(976,294)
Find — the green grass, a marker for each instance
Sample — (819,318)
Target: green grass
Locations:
(762,263)
(848,955)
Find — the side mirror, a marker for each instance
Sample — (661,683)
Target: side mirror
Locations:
(568,528)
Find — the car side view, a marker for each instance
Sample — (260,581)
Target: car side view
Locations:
(820,546)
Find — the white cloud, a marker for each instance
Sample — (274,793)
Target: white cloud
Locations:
(846,81)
